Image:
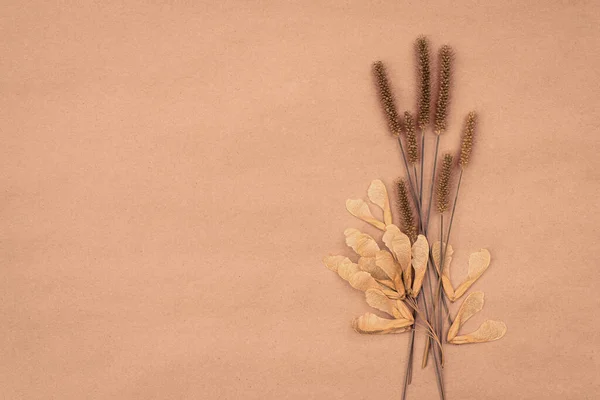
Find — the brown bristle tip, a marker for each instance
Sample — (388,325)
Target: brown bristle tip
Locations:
(424,70)
(467,140)
(386,98)
(445,74)
(412,150)
(406,213)
(444,179)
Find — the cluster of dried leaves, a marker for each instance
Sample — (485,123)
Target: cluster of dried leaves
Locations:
(391,276)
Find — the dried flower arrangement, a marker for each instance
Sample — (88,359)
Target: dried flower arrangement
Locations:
(392,277)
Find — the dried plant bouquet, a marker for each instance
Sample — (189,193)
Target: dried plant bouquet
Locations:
(401,273)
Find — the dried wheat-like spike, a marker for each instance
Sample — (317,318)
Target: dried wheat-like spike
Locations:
(467,140)
(406,213)
(443,189)
(422,48)
(412,151)
(441,111)
(386,98)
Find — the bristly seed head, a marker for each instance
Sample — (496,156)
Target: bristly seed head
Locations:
(412,151)
(467,140)
(441,111)
(386,98)
(443,188)
(424,70)
(406,213)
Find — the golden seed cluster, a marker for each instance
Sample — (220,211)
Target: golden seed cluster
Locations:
(412,150)
(386,98)
(441,111)
(467,139)
(406,213)
(443,188)
(424,81)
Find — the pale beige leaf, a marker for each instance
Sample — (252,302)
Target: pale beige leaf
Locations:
(420,255)
(478,263)
(373,324)
(405,312)
(399,245)
(361,280)
(360,209)
(435,252)
(377,299)
(378,195)
(386,262)
(487,332)
(333,262)
(368,264)
(470,306)
(346,269)
(363,244)
(390,293)
(387,284)
(350,272)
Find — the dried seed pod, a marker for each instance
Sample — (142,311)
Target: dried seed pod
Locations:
(441,111)
(467,139)
(424,70)
(412,150)
(406,212)
(378,195)
(420,256)
(386,98)
(443,188)
(487,332)
(372,324)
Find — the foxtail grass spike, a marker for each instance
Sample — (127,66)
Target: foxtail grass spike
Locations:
(441,111)
(386,98)
(406,212)
(424,70)
(467,140)
(443,188)
(412,150)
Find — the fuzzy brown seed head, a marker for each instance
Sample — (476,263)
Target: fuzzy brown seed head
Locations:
(467,139)
(412,151)
(406,213)
(441,111)
(386,98)
(423,60)
(443,188)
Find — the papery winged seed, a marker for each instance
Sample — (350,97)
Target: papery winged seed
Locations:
(487,332)
(372,324)
(363,244)
(478,264)
(360,209)
(420,256)
(378,195)
(470,306)
(399,245)
(378,300)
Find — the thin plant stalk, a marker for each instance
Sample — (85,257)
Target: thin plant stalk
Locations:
(422,167)
(437,146)
(410,183)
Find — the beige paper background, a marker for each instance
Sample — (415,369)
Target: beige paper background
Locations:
(172,174)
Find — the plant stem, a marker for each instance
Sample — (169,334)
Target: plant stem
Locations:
(422,167)
(437,146)
(410,184)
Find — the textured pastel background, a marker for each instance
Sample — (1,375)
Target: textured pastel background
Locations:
(172,174)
